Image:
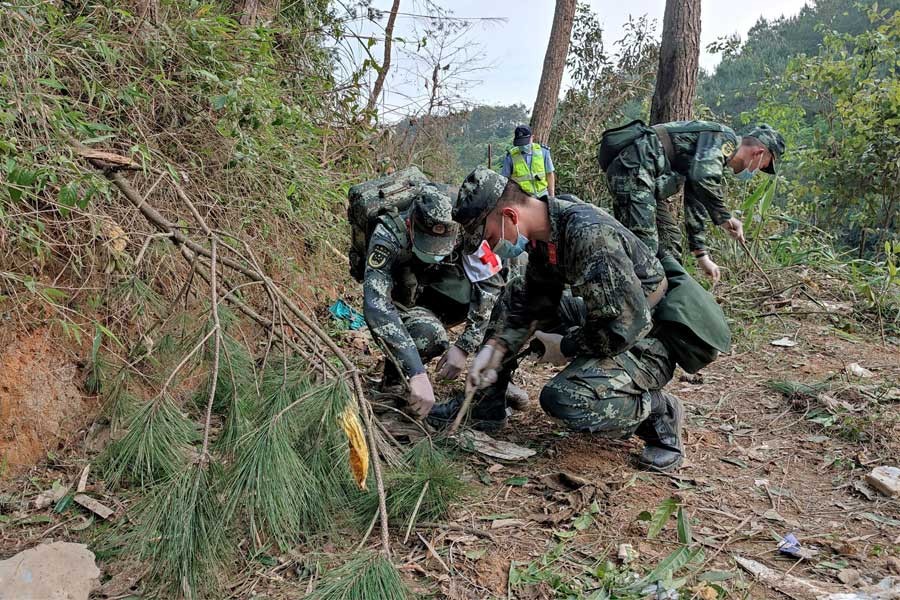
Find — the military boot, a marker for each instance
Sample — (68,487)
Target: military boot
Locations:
(488,411)
(662,433)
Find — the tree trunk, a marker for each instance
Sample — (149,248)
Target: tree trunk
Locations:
(551,76)
(679,55)
(248,9)
(386,63)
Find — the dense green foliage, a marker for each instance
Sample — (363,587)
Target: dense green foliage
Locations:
(731,89)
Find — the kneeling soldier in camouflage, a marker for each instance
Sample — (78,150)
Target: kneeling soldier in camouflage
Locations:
(416,283)
(605,333)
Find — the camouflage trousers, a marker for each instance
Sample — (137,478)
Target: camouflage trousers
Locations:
(429,333)
(634,179)
(607,396)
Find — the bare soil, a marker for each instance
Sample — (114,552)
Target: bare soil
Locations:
(759,467)
(41,404)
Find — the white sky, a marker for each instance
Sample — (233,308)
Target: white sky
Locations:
(516,47)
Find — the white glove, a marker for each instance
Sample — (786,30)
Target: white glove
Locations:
(483,371)
(421,394)
(709,268)
(452,363)
(552,353)
(735,228)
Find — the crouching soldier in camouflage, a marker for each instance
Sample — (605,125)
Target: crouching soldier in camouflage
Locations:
(646,165)
(604,334)
(417,283)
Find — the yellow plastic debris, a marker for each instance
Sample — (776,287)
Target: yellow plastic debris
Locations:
(359,450)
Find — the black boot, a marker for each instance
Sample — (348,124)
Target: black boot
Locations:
(662,433)
(488,411)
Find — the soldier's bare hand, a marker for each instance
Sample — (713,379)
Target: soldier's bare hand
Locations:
(421,394)
(735,228)
(483,371)
(452,363)
(709,268)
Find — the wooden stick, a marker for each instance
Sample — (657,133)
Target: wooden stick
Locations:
(463,410)
(756,264)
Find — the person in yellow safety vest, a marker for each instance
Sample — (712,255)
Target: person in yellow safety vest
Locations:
(530,165)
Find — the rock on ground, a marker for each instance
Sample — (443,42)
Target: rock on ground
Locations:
(57,571)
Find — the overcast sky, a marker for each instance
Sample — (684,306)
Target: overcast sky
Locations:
(516,46)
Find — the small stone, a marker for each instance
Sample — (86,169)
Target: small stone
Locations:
(848,576)
(886,480)
(57,571)
(893,564)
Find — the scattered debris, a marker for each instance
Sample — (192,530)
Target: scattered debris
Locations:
(790,585)
(859,371)
(627,553)
(784,342)
(886,480)
(848,576)
(480,442)
(95,506)
(57,571)
(82,481)
(501,523)
(51,496)
(352,318)
(864,490)
(791,546)
(886,589)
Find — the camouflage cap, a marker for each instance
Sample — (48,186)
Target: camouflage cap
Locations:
(434,232)
(478,195)
(772,140)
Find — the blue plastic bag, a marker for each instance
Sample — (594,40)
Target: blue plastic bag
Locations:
(342,311)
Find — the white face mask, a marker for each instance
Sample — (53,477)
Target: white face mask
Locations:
(746,174)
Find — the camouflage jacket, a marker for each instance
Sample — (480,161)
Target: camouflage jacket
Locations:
(604,263)
(700,158)
(394,279)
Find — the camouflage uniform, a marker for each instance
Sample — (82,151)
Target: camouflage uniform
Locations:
(409,303)
(605,321)
(640,180)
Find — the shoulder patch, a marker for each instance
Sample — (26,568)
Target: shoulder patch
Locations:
(728,148)
(378,256)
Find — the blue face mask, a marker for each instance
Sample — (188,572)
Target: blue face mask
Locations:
(506,249)
(746,174)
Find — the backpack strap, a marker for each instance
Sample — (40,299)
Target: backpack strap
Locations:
(396,222)
(666,140)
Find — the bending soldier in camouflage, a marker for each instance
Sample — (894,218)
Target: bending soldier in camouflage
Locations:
(415,285)
(614,372)
(652,168)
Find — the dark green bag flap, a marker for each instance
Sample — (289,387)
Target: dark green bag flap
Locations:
(458,289)
(691,306)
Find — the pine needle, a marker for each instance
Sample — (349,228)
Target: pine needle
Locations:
(155,446)
(270,481)
(323,444)
(424,463)
(119,405)
(178,531)
(364,577)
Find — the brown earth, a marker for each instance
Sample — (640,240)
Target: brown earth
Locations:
(759,467)
(41,404)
